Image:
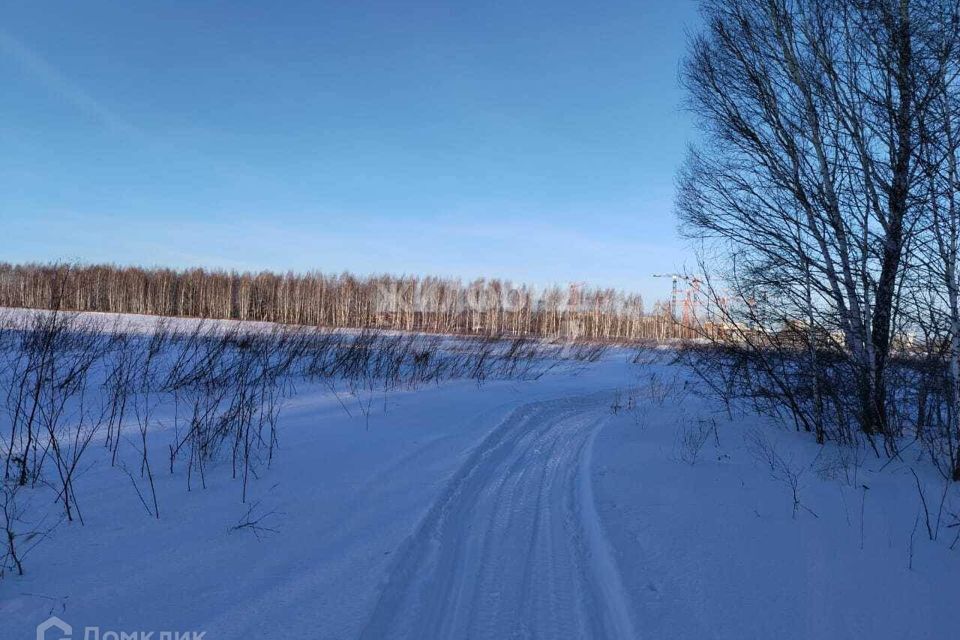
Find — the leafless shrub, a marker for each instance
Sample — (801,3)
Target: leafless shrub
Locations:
(257,520)
(691,440)
(841,462)
(584,351)
(931,519)
(954,524)
(661,388)
(217,388)
(617,403)
(20,536)
(783,470)
(51,418)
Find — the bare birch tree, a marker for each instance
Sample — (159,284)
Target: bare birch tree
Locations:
(807,181)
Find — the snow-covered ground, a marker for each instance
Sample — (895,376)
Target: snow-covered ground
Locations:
(600,501)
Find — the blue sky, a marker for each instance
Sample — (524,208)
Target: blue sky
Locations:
(536,141)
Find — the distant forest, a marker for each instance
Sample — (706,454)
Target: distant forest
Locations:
(407,303)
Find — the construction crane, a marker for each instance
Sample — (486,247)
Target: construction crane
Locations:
(675,288)
(575,298)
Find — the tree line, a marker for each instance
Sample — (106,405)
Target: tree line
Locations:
(409,303)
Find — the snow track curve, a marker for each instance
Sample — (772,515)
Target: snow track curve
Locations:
(513,546)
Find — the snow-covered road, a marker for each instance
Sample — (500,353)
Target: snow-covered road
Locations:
(513,547)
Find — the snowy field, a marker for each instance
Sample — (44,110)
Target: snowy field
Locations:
(601,500)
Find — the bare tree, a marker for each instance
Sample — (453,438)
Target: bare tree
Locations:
(807,184)
(937,286)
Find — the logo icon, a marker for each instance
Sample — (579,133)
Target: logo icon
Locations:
(53,622)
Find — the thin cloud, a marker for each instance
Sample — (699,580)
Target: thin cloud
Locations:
(50,77)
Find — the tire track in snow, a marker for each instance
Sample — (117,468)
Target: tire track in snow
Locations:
(513,547)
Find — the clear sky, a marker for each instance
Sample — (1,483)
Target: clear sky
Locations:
(536,141)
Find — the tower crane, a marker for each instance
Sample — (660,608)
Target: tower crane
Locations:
(675,279)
